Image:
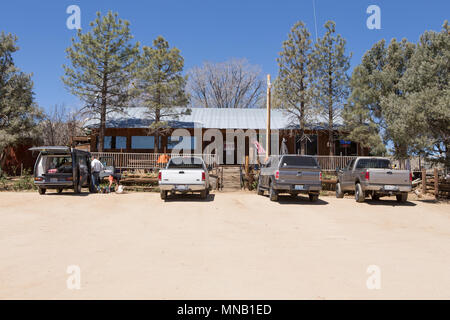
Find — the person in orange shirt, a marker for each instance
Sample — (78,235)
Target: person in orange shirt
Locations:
(163,159)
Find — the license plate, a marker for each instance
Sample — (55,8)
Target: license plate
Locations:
(299,187)
(53,179)
(181,187)
(390,188)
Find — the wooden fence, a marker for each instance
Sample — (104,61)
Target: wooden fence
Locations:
(146,160)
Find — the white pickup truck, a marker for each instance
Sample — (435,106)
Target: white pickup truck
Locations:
(183,175)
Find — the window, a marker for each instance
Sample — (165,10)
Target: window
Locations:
(181,142)
(185,163)
(107,142)
(311,145)
(350,164)
(373,163)
(298,161)
(142,142)
(121,142)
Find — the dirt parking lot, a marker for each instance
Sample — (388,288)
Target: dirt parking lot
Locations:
(235,245)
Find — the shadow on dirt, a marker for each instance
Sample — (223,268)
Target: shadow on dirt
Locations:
(189,198)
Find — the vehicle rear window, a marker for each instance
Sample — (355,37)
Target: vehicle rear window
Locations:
(52,164)
(298,161)
(185,163)
(373,163)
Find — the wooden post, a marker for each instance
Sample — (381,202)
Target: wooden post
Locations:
(436,183)
(247,174)
(424,181)
(268,117)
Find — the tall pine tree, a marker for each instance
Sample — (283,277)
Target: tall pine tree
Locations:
(103,64)
(161,86)
(293,87)
(331,86)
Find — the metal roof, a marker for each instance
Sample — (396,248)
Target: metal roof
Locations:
(217,118)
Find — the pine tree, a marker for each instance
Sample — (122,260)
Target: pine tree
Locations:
(427,95)
(103,63)
(374,114)
(293,87)
(331,86)
(18,111)
(161,86)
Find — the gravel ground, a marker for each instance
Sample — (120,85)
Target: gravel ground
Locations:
(236,245)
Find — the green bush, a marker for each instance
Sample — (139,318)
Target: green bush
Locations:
(25,182)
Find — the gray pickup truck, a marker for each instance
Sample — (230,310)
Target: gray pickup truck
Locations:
(292,174)
(375,177)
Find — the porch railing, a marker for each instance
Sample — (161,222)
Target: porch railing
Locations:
(330,163)
(146,160)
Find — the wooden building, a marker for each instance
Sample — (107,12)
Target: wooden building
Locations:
(129,133)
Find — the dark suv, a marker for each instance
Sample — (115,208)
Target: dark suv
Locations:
(62,168)
(292,174)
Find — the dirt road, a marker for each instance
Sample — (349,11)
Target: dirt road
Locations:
(236,245)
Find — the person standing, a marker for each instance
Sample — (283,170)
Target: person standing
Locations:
(96,167)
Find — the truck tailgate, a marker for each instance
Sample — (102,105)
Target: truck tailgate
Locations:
(306,176)
(389,177)
(181,176)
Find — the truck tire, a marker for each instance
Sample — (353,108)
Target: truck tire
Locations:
(60,190)
(403,197)
(42,191)
(359,194)
(273,195)
(339,193)
(163,195)
(313,197)
(259,191)
(375,197)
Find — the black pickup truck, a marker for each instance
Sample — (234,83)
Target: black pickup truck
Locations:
(291,174)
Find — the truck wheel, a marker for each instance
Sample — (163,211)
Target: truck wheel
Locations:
(313,197)
(359,194)
(339,193)
(203,194)
(259,191)
(273,195)
(42,191)
(60,190)
(163,195)
(403,197)
(375,197)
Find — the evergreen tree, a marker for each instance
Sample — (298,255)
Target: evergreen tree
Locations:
(427,95)
(331,86)
(103,63)
(293,87)
(161,86)
(18,112)
(373,115)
